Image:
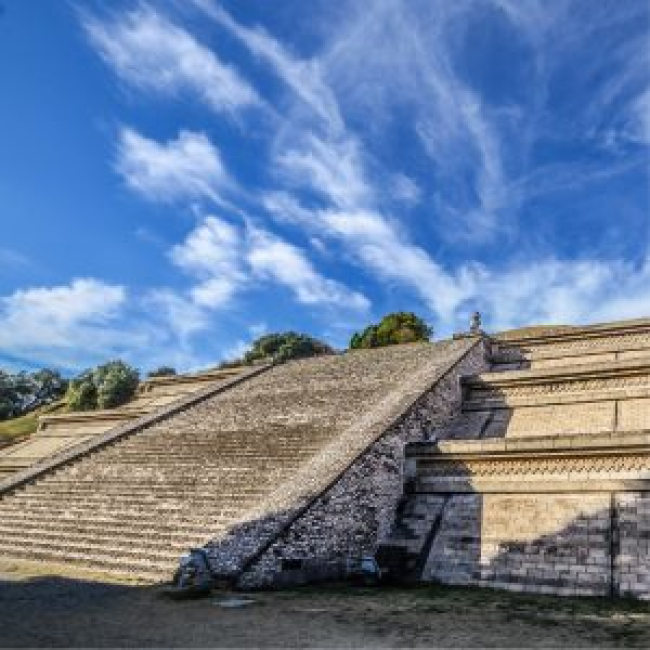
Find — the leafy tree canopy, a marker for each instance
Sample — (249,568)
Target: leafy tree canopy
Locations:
(106,386)
(22,392)
(399,327)
(162,371)
(283,346)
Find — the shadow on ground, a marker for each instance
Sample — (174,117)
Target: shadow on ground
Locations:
(50,611)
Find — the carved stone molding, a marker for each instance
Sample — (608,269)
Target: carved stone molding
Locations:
(536,465)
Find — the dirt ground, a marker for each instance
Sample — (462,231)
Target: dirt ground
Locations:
(41,610)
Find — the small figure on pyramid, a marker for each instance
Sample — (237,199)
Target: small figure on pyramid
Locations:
(475,323)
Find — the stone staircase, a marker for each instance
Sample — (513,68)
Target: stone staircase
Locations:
(63,431)
(134,504)
(550,453)
(418,519)
(139,504)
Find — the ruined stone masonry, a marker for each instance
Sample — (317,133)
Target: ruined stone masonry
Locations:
(543,482)
(520,461)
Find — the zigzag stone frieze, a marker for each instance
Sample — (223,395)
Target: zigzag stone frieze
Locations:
(612,343)
(536,465)
(585,383)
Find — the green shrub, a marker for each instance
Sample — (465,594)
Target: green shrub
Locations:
(82,393)
(393,329)
(23,392)
(162,371)
(280,347)
(107,386)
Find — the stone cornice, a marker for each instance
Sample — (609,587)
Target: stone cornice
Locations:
(507,378)
(575,333)
(559,385)
(605,443)
(576,463)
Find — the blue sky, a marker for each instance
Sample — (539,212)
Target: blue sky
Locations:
(177,178)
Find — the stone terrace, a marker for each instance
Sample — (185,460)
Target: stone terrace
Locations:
(135,505)
(543,482)
(64,431)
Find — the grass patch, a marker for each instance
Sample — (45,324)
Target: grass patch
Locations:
(18,427)
(512,601)
(25,425)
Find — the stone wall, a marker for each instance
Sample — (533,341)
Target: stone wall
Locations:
(566,544)
(548,543)
(632,544)
(546,474)
(358,511)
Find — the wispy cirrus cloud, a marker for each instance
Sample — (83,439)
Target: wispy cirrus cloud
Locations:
(227,260)
(395,111)
(332,167)
(275,259)
(149,52)
(188,167)
(304,77)
(224,257)
(557,291)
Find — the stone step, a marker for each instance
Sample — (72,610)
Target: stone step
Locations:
(130,520)
(167,502)
(173,510)
(190,497)
(210,490)
(124,503)
(207,488)
(317,429)
(143,569)
(241,457)
(266,438)
(160,541)
(187,455)
(212,485)
(123,552)
(129,474)
(137,527)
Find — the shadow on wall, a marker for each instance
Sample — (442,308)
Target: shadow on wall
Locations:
(589,543)
(532,522)
(511,357)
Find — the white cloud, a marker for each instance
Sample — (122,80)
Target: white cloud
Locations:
(330,168)
(227,259)
(89,321)
(405,190)
(638,126)
(270,257)
(212,252)
(554,291)
(149,52)
(372,238)
(304,77)
(62,324)
(188,167)
(180,314)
